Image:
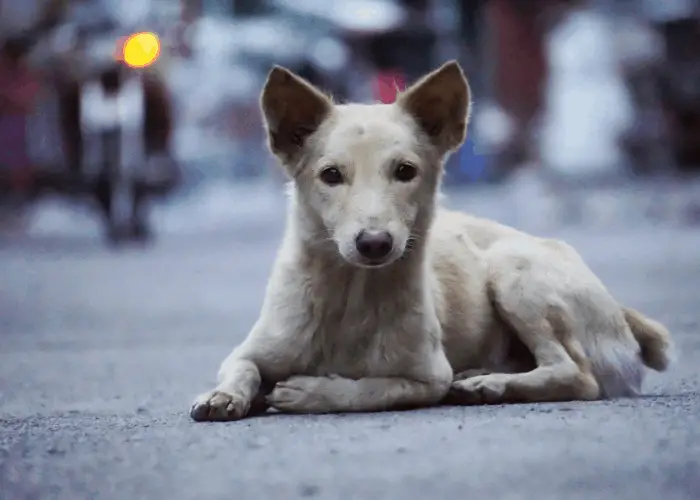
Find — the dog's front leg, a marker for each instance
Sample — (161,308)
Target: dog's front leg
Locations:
(334,394)
(238,393)
(302,394)
(239,383)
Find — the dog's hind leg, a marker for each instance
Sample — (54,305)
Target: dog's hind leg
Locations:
(562,374)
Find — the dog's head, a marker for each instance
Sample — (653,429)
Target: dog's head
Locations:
(368,174)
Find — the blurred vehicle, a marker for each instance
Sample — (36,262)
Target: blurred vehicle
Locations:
(114,122)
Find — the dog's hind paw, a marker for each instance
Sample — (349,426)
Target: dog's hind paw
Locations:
(482,389)
(218,406)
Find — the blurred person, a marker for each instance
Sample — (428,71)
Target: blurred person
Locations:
(520,69)
(518,29)
(20,85)
(149,170)
(641,58)
(18,91)
(678,23)
(587,105)
(588,109)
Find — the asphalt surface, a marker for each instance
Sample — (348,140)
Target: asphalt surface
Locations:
(102,352)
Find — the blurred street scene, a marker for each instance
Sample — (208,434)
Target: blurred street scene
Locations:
(585,126)
(570,96)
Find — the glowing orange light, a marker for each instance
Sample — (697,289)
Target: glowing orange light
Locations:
(140,50)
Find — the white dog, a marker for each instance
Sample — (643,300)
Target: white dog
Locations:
(378,296)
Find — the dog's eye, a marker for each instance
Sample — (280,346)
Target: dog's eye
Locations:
(331,176)
(405,172)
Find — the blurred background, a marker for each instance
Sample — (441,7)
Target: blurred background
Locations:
(586,112)
(585,126)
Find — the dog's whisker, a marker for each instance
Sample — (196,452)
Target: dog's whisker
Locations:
(416,236)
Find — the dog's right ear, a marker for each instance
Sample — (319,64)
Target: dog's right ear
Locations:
(293,109)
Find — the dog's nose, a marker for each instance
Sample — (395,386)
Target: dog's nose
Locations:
(374,245)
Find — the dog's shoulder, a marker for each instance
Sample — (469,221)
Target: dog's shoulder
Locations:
(457,267)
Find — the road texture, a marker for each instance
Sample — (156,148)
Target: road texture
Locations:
(102,352)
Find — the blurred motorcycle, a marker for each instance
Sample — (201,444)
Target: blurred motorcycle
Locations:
(114,120)
(115,123)
(125,123)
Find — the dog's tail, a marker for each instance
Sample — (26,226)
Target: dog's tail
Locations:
(653,338)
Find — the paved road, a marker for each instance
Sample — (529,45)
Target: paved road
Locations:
(101,354)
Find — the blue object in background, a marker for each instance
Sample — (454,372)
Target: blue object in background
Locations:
(471,164)
(466,166)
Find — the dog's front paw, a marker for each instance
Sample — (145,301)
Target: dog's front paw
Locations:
(300,394)
(218,406)
(482,389)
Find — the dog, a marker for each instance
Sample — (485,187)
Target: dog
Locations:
(378,296)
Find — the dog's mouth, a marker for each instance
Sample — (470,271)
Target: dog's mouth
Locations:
(365,262)
(356,259)
(373,264)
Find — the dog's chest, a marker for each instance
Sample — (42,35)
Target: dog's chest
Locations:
(355,334)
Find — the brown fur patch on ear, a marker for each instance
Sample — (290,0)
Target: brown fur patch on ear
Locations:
(440,102)
(293,109)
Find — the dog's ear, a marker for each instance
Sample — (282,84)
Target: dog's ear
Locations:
(293,109)
(440,102)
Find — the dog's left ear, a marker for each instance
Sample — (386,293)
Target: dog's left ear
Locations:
(293,110)
(439,103)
